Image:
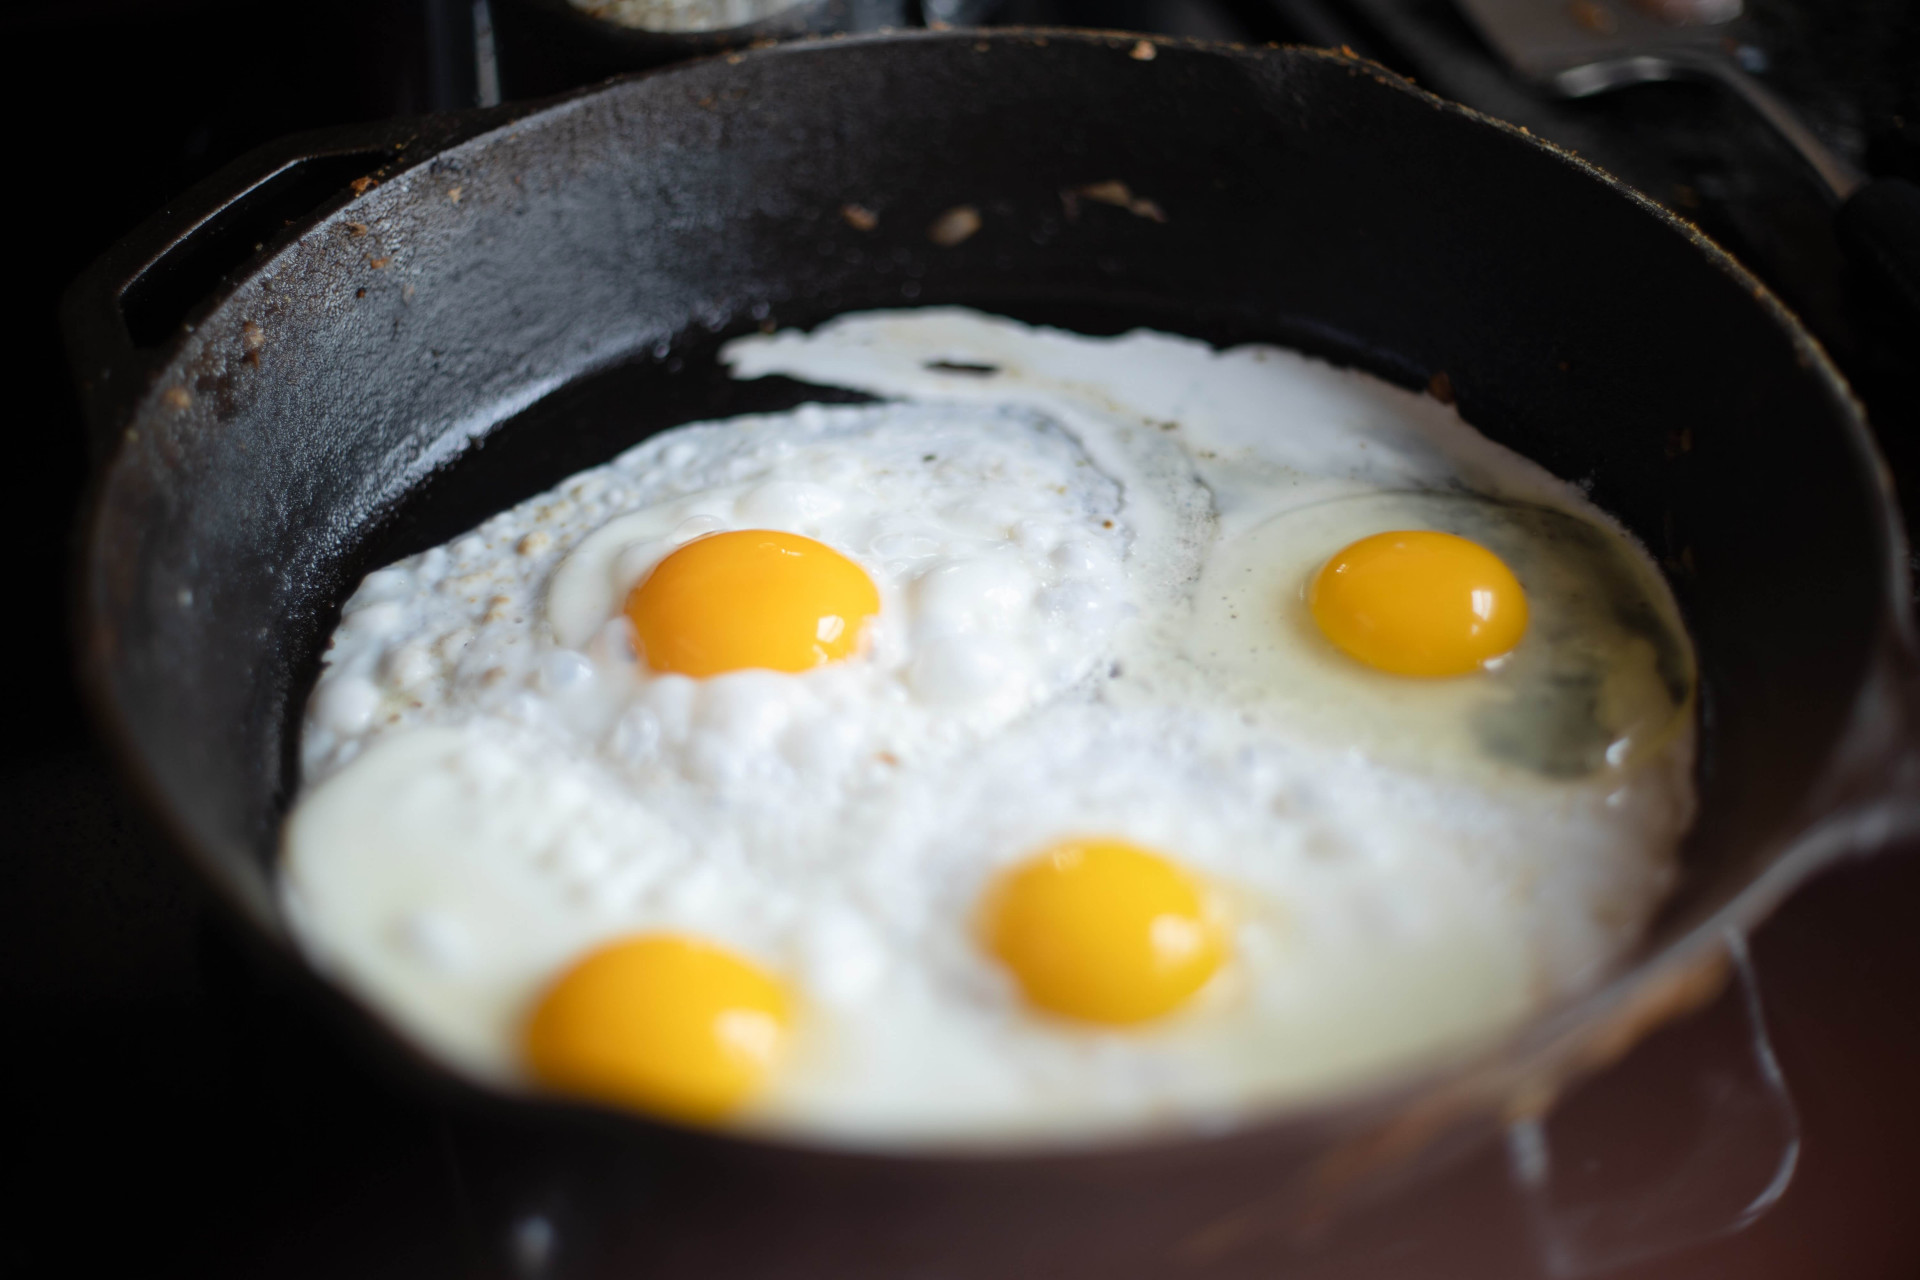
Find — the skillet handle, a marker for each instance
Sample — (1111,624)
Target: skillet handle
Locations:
(1595,1199)
(1708,1092)
(127,313)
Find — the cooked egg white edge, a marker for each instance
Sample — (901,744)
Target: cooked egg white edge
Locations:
(1344,431)
(415,877)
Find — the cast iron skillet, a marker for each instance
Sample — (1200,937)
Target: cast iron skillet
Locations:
(522,293)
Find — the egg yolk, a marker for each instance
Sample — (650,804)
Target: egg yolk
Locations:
(753,598)
(1103,931)
(661,1022)
(1418,603)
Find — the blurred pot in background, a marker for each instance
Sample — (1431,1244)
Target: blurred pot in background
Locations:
(546,46)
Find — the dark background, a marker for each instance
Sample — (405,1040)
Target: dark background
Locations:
(164,1116)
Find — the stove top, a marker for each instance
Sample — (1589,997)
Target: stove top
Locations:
(174,1117)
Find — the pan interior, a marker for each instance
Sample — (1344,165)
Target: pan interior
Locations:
(571,300)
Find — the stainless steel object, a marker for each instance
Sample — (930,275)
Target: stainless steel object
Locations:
(1582,47)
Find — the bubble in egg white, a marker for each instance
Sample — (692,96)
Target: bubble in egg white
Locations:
(409,667)
(345,704)
(436,939)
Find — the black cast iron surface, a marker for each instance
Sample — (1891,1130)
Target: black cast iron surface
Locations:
(303,1165)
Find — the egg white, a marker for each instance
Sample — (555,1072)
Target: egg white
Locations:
(494,783)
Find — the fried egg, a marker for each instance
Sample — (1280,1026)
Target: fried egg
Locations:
(1089,736)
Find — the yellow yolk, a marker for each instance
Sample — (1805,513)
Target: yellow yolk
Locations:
(1417,603)
(661,1022)
(1104,931)
(753,598)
